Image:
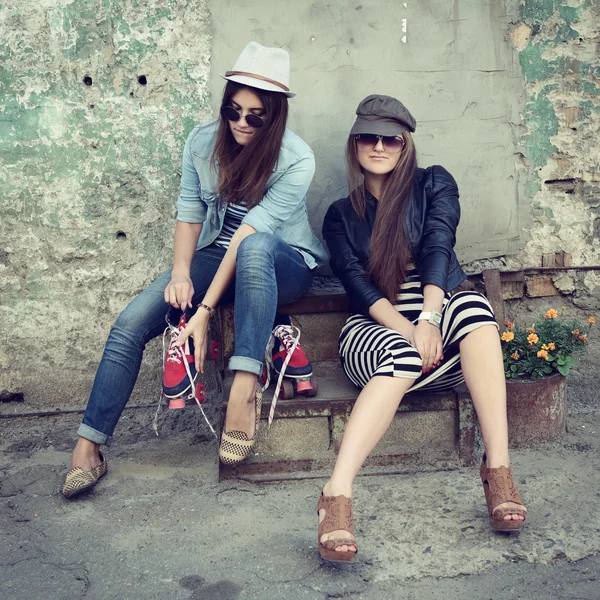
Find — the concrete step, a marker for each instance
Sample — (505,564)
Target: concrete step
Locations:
(430,431)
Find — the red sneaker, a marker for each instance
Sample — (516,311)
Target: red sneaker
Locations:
(179,373)
(299,365)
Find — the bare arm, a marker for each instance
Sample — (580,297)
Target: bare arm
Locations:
(427,338)
(385,314)
(226,269)
(198,324)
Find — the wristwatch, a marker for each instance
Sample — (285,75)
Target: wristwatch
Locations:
(434,317)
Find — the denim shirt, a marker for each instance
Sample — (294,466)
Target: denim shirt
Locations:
(282,210)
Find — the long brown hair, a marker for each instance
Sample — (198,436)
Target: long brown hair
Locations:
(389,252)
(244,170)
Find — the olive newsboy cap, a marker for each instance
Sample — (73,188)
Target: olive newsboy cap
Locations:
(382,115)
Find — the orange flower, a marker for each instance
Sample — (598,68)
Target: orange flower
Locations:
(591,320)
(509,324)
(532,338)
(551,314)
(531,330)
(508,336)
(542,354)
(575,331)
(544,347)
(551,346)
(515,356)
(583,338)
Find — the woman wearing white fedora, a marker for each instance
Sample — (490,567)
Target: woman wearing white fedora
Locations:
(242,234)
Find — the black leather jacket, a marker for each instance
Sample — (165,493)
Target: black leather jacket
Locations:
(431,221)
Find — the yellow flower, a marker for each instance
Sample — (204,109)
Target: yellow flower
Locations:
(532,338)
(542,354)
(575,331)
(551,346)
(515,356)
(591,320)
(551,314)
(544,347)
(564,308)
(508,336)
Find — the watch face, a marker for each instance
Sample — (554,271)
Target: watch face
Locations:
(436,318)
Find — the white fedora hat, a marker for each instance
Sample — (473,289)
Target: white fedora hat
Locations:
(263,68)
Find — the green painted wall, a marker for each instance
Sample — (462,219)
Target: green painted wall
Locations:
(90,151)
(560,128)
(90,154)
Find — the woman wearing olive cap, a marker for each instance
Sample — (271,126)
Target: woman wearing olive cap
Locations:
(392,246)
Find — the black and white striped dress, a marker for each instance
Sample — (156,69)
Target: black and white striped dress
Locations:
(368,349)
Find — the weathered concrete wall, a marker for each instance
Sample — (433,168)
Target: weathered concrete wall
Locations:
(96,98)
(558,43)
(451,63)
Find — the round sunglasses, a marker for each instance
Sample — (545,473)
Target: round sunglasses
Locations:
(368,141)
(233,115)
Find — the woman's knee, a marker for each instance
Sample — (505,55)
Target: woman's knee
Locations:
(258,245)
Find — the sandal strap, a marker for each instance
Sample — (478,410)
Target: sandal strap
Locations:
(334,543)
(338,515)
(501,488)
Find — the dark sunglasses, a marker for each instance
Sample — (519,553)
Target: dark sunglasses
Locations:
(233,115)
(368,141)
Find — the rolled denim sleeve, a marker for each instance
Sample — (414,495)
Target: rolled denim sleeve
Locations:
(283,197)
(190,207)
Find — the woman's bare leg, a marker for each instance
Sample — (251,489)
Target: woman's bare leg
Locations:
(483,369)
(241,408)
(85,455)
(371,417)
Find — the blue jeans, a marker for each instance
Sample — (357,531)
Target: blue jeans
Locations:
(268,273)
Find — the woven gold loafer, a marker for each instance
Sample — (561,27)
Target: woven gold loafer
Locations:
(236,446)
(78,481)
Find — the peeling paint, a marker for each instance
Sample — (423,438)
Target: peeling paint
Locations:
(560,130)
(87,151)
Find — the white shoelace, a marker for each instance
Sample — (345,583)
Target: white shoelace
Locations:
(172,353)
(286,334)
(176,354)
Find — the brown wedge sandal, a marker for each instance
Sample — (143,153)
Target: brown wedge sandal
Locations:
(499,487)
(338,515)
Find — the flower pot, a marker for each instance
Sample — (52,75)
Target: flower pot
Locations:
(536,410)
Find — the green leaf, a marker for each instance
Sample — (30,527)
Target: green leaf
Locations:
(513,368)
(548,369)
(564,369)
(561,360)
(570,361)
(514,375)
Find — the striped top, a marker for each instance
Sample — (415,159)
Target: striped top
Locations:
(234,215)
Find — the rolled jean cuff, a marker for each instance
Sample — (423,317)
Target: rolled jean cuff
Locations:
(243,363)
(93,435)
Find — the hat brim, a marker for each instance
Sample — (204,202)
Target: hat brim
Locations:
(378,126)
(258,83)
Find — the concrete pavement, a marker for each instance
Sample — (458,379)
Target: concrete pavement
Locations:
(159,525)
